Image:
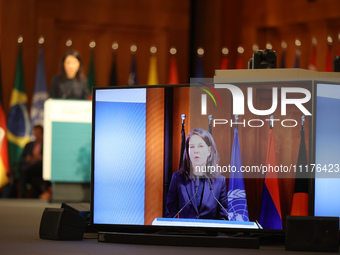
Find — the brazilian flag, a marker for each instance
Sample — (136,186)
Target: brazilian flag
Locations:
(18,124)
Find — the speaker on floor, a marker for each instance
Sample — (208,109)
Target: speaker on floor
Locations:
(61,224)
(307,233)
(82,209)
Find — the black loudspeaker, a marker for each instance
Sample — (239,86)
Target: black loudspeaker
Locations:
(307,233)
(82,209)
(61,224)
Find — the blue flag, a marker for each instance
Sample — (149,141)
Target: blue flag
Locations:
(297,59)
(237,201)
(283,59)
(199,67)
(40,92)
(133,71)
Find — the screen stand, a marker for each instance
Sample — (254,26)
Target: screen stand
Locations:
(179,240)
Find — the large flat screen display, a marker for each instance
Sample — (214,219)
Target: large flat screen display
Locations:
(142,148)
(327,150)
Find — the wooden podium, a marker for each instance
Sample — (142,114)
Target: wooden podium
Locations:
(67,149)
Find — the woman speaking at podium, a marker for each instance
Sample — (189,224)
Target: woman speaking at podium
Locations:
(195,191)
(70,83)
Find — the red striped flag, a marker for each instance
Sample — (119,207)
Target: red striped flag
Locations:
(270,215)
(329,62)
(173,72)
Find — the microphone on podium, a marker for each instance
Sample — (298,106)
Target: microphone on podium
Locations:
(212,192)
(196,188)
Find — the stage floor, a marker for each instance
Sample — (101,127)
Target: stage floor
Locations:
(19,234)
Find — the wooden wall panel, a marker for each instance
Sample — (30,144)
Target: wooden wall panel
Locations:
(275,21)
(246,22)
(154,157)
(146,24)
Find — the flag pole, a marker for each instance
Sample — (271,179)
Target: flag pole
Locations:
(297,53)
(113,74)
(271,121)
(132,79)
(303,118)
(210,117)
(41,40)
(283,54)
(236,119)
(183,116)
(183,120)
(68,43)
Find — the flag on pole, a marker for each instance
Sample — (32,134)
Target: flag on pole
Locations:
(114,75)
(18,123)
(312,60)
(283,59)
(182,144)
(199,67)
(239,62)
(297,58)
(329,61)
(270,214)
(283,55)
(40,92)
(133,80)
(92,72)
(153,74)
(4,160)
(173,72)
(224,62)
(237,201)
(300,197)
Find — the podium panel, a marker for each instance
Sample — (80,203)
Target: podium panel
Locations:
(182,222)
(67,141)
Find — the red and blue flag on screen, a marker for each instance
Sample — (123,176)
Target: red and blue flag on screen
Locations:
(270,214)
(237,201)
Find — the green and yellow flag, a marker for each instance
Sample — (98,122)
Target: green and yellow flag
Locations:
(18,123)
